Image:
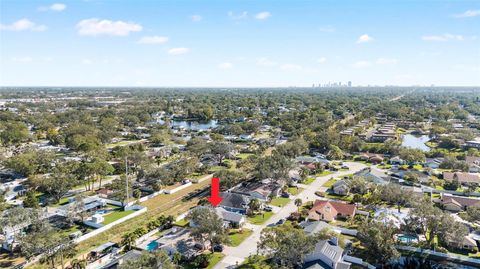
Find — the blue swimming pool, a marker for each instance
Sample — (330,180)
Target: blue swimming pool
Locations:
(406,238)
(153,245)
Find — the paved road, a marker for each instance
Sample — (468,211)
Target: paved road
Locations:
(236,255)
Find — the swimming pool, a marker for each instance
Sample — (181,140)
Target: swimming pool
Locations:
(153,245)
(101,211)
(407,238)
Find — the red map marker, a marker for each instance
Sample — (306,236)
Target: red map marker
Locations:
(215,198)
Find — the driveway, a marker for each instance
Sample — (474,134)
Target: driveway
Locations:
(236,255)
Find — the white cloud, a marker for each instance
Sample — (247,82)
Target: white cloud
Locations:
(361,64)
(239,16)
(265,62)
(291,67)
(263,15)
(54,7)
(23,25)
(225,65)
(321,60)
(327,29)
(443,38)
(94,27)
(87,61)
(153,40)
(364,39)
(24,59)
(178,51)
(385,61)
(468,14)
(196,18)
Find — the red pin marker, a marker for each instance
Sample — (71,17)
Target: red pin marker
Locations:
(215,198)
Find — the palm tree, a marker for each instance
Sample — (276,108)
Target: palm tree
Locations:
(129,239)
(298,203)
(78,264)
(254,205)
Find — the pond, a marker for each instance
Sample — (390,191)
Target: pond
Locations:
(416,142)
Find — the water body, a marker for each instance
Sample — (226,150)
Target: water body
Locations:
(416,141)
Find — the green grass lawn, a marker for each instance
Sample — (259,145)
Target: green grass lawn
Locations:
(294,190)
(120,143)
(329,183)
(279,201)
(214,258)
(182,223)
(347,198)
(244,155)
(62,201)
(238,236)
(308,181)
(324,173)
(260,218)
(109,218)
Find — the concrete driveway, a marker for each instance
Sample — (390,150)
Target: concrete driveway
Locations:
(236,255)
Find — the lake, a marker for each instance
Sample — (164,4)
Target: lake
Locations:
(415,141)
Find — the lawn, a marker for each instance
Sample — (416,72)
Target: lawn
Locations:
(214,258)
(346,198)
(329,183)
(120,143)
(294,190)
(115,215)
(182,223)
(238,236)
(324,173)
(260,218)
(279,201)
(308,181)
(62,201)
(243,156)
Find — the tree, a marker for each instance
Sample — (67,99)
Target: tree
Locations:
(14,133)
(298,203)
(229,178)
(128,240)
(31,200)
(207,226)
(412,156)
(16,219)
(473,214)
(220,150)
(434,223)
(378,240)
(285,245)
(58,183)
(396,195)
(335,153)
(254,205)
(149,260)
(30,162)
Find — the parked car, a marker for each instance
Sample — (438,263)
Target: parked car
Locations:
(218,248)
(280,222)
(285,195)
(268,208)
(345,167)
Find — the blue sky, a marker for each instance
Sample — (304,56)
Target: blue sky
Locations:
(239,43)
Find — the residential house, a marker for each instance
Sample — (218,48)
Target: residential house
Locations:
(473,164)
(331,210)
(374,175)
(371,157)
(457,203)
(466,243)
(433,163)
(315,227)
(396,161)
(327,254)
(473,144)
(259,190)
(462,177)
(340,188)
(235,202)
(117,261)
(231,219)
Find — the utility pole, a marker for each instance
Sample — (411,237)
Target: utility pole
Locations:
(126,180)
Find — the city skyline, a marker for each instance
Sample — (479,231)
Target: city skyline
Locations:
(239,43)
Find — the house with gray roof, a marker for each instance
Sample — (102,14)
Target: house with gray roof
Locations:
(234,202)
(327,254)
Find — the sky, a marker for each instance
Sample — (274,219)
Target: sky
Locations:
(239,43)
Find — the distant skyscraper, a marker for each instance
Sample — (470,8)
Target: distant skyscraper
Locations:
(349,84)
